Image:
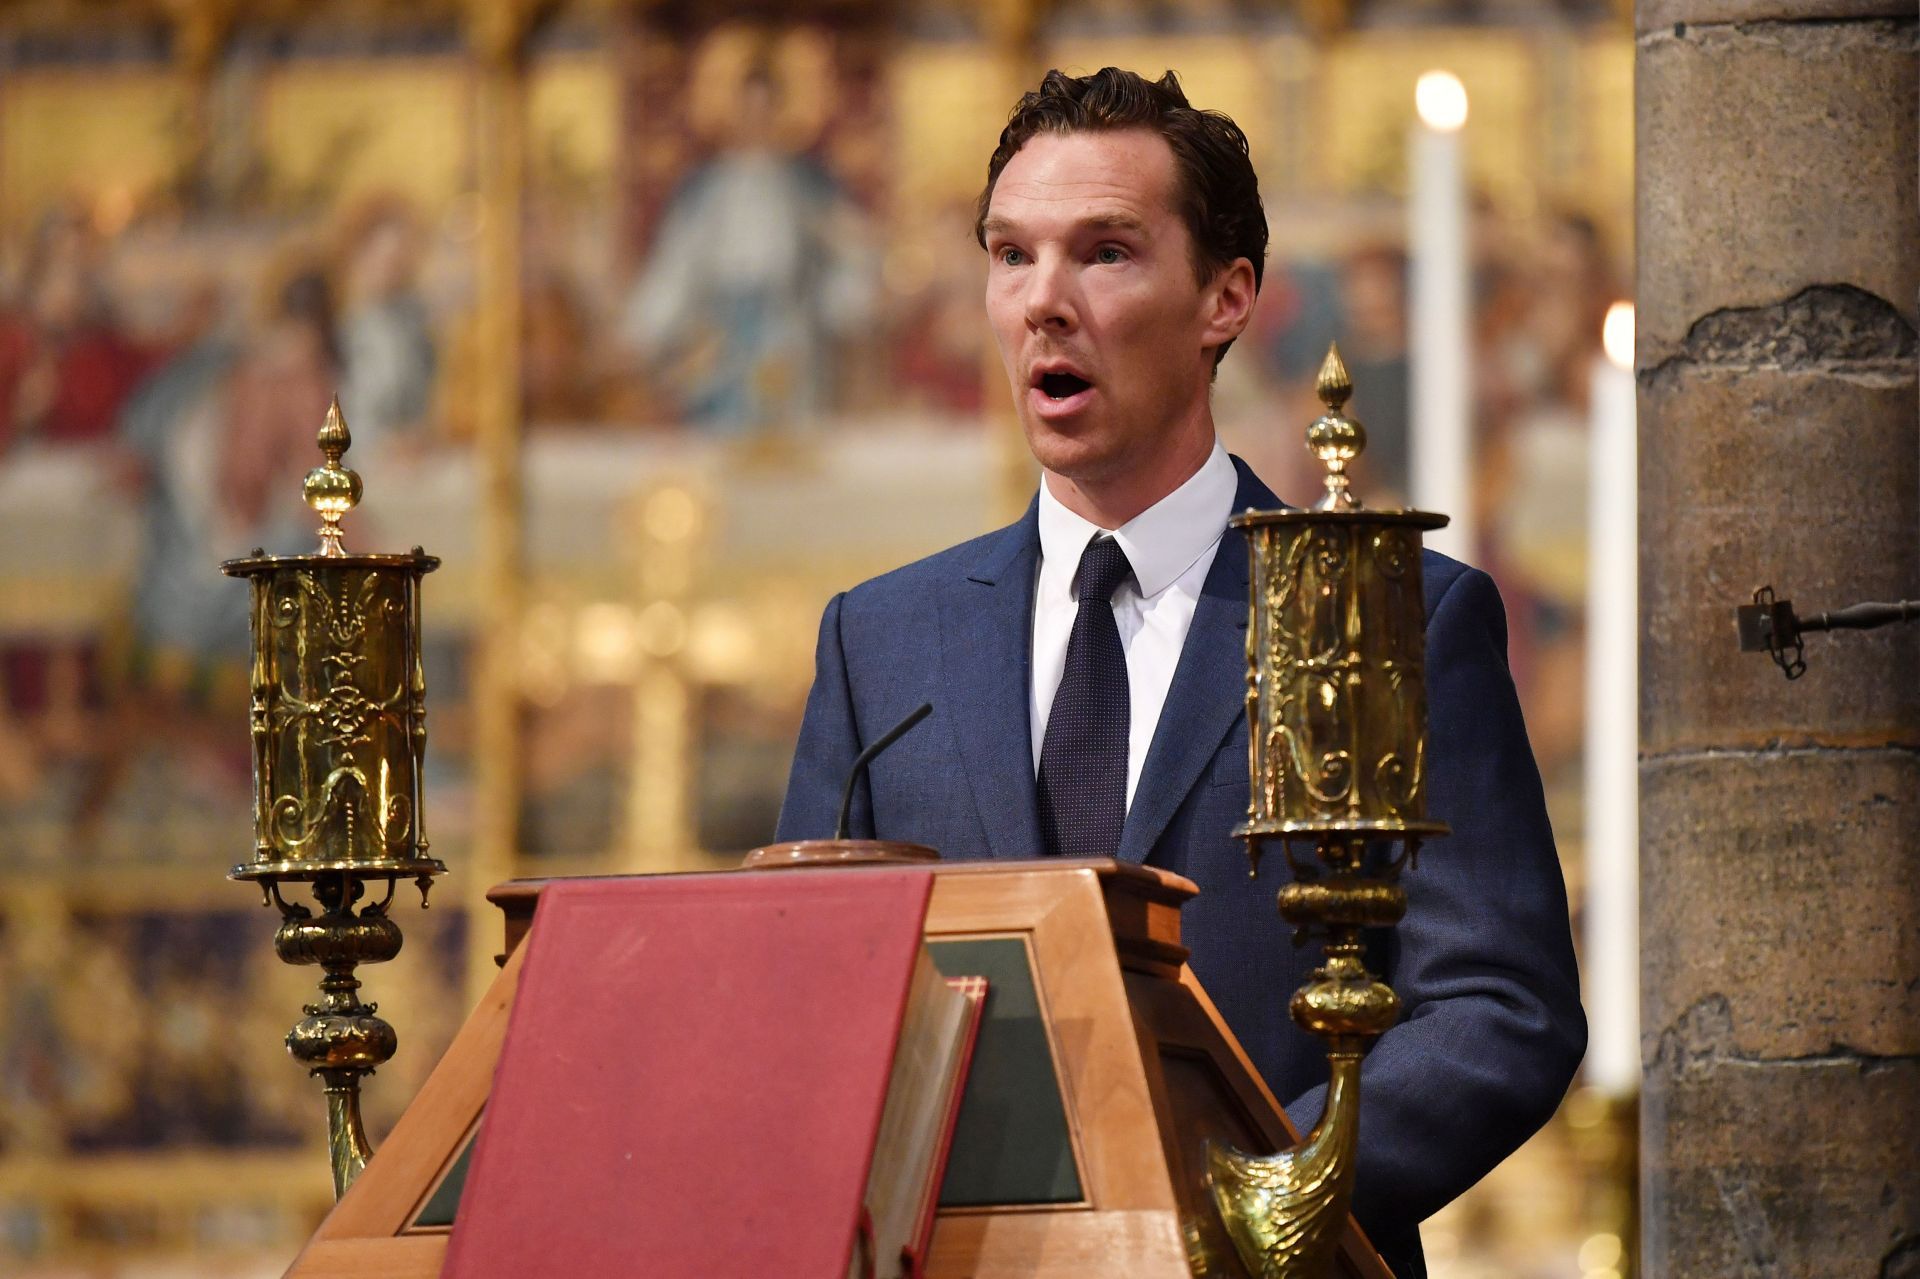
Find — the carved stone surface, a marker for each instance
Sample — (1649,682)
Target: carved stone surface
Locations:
(1779,886)
(1771,157)
(1789,1172)
(1823,327)
(1779,249)
(1656,15)
(1802,481)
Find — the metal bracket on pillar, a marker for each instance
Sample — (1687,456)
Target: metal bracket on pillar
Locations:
(1769,625)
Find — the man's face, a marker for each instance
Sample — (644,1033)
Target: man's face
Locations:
(1106,335)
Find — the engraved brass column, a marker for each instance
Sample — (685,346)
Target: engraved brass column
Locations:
(1337,712)
(339,720)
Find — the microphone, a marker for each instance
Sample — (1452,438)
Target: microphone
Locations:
(880,743)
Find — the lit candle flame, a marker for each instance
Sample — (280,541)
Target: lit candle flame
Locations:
(1616,335)
(1441,100)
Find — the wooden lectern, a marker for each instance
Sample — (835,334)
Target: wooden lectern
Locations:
(1101,1070)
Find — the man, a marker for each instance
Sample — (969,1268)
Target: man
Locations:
(1087,664)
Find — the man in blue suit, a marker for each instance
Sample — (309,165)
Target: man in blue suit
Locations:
(1125,239)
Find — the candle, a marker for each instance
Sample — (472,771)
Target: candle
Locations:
(1441,445)
(1612,922)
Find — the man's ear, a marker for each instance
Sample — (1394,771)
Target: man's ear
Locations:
(1229,303)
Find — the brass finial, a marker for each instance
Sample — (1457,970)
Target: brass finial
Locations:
(1335,438)
(331,488)
(1333,386)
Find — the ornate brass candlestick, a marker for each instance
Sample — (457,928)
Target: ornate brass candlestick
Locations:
(1337,711)
(339,718)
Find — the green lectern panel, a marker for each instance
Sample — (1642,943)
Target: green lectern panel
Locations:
(440,1206)
(1012,1144)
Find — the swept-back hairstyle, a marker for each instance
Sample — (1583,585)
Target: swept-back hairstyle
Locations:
(1216,193)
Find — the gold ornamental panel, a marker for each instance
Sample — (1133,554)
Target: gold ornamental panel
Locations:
(338,713)
(1338,708)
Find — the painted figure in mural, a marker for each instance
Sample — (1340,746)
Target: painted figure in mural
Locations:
(760,264)
(936,354)
(66,364)
(386,336)
(223,433)
(1373,341)
(227,431)
(1538,347)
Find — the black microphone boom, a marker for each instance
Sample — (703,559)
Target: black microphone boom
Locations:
(880,743)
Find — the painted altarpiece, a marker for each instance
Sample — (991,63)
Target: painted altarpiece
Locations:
(706,443)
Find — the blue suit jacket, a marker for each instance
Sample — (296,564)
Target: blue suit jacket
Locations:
(1492,1029)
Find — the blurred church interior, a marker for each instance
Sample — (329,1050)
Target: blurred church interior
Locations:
(659,323)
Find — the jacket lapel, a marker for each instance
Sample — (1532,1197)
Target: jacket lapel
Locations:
(1209,687)
(986,627)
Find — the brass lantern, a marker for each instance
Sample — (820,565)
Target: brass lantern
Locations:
(1337,716)
(339,723)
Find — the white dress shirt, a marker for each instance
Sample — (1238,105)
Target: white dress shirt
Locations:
(1171,546)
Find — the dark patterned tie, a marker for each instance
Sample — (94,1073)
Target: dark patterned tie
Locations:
(1083,759)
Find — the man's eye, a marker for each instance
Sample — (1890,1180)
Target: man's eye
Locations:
(1012,257)
(1109,255)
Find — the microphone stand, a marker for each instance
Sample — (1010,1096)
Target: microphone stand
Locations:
(840,850)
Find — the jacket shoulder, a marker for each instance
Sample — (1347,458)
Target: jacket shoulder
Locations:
(913,583)
(1440,574)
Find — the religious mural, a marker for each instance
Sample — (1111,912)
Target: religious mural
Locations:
(752,369)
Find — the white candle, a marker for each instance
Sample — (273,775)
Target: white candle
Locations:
(1612,919)
(1441,448)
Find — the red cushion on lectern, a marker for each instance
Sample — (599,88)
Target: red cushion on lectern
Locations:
(692,1077)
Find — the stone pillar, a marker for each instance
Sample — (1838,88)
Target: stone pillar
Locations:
(1779,249)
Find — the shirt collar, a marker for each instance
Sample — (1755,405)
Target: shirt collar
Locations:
(1161,542)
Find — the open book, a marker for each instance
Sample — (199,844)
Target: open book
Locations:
(916,1127)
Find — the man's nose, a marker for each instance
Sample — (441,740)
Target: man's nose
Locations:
(1051,302)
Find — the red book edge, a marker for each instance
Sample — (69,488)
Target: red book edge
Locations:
(914,1256)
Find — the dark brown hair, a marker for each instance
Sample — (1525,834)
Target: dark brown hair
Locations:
(1216,192)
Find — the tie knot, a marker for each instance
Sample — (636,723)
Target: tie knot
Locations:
(1103,566)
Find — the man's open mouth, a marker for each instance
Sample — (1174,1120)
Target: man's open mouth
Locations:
(1062,386)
